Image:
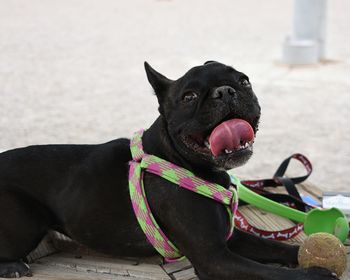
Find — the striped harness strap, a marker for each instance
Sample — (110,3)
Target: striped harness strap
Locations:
(182,177)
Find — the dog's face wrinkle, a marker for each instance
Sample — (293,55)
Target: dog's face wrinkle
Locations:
(201,114)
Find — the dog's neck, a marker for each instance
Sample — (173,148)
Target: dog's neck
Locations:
(156,141)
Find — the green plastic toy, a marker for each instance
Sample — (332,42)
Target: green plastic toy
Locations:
(330,220)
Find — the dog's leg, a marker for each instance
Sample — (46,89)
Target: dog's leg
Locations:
(213,259)
(226,265)
(21,229)
(263,250)
(14,269)
(198,228)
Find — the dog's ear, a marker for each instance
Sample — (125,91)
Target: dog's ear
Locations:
(159,82)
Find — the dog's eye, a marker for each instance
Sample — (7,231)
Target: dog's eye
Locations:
(189,96)
(244,83)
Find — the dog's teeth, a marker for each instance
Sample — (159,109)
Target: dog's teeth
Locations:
(206,143)
(245,145)
(228,151)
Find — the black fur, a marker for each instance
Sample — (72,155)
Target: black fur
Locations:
(82,190)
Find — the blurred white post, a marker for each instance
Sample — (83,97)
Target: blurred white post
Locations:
(306,45)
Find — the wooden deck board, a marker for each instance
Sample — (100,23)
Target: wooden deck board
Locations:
(94,266)
(41,272)
(78,263)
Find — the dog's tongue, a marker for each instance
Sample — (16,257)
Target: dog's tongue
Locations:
(229,135)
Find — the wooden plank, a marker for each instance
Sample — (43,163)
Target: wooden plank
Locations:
(113,266)
(187,274)
(176,266)
(346,275)
(45,248)
(41,272)
(311,188)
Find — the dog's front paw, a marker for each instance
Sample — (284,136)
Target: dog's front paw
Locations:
(290,258)
(315,273)
(14,269)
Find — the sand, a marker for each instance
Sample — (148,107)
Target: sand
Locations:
(72,72)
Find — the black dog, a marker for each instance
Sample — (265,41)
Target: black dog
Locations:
(82,190)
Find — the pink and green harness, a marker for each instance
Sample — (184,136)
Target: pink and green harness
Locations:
(182,177)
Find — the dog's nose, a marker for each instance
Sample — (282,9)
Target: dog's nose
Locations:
(222,91)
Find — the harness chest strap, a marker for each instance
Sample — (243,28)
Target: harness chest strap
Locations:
(182,177)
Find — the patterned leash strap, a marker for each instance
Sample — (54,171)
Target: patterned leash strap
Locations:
(180,176)
(293,199)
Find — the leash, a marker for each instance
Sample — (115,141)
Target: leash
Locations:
(142,162)
(292,199)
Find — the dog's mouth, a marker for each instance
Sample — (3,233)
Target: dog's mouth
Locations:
(230,137)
